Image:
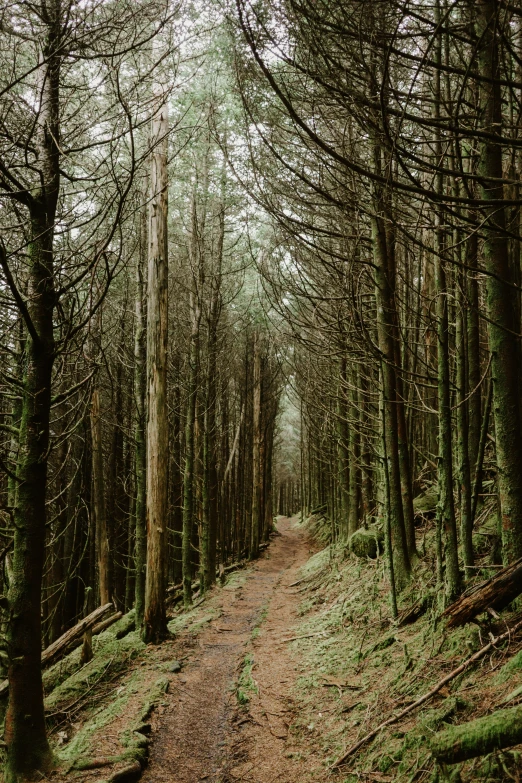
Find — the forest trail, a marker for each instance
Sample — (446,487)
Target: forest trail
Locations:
(201,733)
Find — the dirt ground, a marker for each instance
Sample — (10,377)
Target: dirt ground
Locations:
(200,732)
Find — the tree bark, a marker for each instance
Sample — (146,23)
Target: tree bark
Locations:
(100,515)
(501,296)
(28,750)
(385,330)
(445,508)
(140,454)
(154,618)
(188,477)
(256,451)
(497,593)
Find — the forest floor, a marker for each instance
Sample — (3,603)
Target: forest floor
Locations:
(228,715)
(271,677)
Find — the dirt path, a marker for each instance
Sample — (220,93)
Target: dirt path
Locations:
(200,733)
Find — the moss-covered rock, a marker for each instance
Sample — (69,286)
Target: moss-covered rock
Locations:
(425,504)
(367,543)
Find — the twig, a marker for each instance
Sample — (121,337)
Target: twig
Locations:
(305,636)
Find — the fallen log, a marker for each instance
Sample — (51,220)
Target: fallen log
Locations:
(99,627)
(65,640)
(496,593)
(502,729)
(429,695)
(221,570)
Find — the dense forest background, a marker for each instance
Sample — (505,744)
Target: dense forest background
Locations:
(254,258)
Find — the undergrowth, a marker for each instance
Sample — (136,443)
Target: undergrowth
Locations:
(359,667)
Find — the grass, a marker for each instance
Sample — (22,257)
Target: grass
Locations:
(246,685)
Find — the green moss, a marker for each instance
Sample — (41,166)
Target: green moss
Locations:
(79,751)
(367,543)
(246,684)
(111,655)
(194,619)
(433,719)
(513,666)
(65,668)
(502,729)
(426,502)
(153,696)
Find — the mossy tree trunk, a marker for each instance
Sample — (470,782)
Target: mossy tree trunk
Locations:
(354,454)
(343,454)
(501,297)
(28,751)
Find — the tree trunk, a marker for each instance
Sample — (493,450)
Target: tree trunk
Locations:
(188,478)
(445,508)
(154,622)
(28,750)
(100,516)
(140,386)
(501,296)
(257,475)
(385,328)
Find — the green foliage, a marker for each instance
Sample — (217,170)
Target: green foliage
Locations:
(246,685)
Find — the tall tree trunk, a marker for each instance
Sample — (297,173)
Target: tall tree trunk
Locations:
(354,455)
(100,513)
(28,750)
(188,477)
(140,390)
(386,321)
(466,523)
(154,621)
(501,296)
(257,475)
(446,506)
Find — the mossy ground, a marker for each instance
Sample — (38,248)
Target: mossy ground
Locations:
(358,667)
(95,711)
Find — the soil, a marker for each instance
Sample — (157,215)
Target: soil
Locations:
(200,732)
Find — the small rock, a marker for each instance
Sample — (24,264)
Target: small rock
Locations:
(175,667)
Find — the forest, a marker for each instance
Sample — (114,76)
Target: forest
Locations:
(261,390)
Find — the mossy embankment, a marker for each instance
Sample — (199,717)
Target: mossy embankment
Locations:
(359,667)
(99,714)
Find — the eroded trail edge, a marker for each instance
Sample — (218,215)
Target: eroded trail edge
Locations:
(202,731)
